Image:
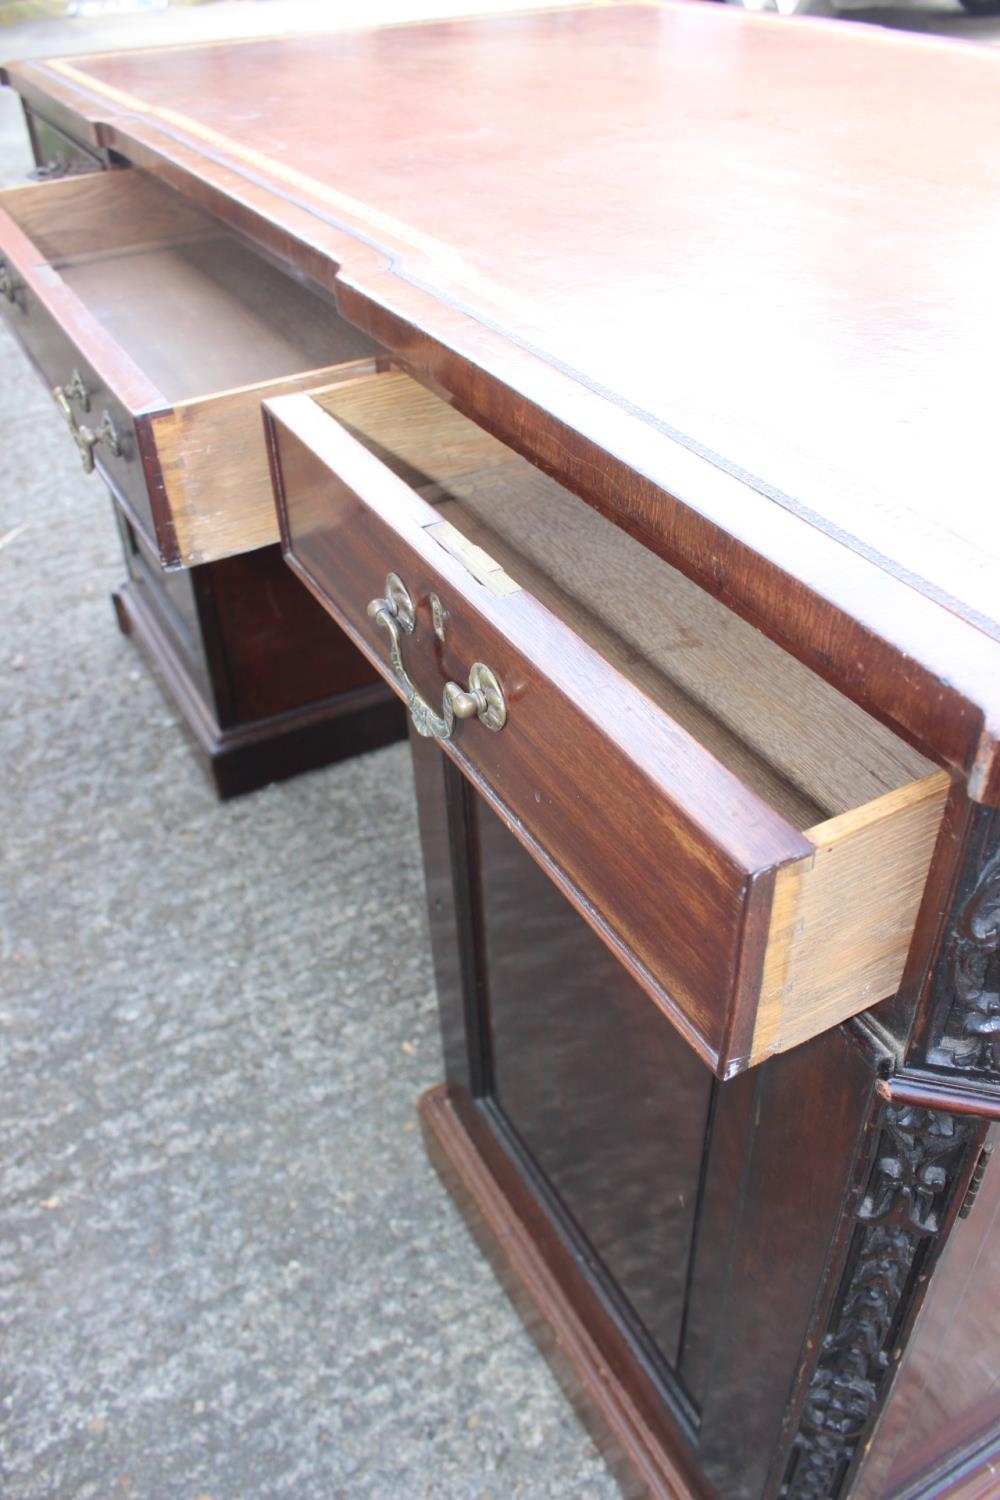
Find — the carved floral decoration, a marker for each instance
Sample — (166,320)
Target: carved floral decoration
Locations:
(971,1039)
(918,1160)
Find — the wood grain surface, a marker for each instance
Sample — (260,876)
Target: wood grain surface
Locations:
(843,920)
(573,725)
(734,281)
(213,466)
(594,723)
(800,743)
(74,218)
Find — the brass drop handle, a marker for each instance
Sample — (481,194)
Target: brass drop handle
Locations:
(483,698)
(8,286)
(85,438)
(56,166)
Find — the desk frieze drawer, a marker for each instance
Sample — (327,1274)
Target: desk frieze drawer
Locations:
(158,333)
(749,844)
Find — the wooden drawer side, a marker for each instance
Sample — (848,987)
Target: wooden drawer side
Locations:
(843,917)
(752,919)
(213,465)
(662,850)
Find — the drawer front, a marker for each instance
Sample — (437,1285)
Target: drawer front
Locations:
(666,854)
(159,335)
(65,347)
(172,597)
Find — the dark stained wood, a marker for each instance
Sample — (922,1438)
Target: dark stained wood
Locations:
(539,1036)
(450,858)
(812,1250)
(175,597)
(573,725)
(620,1148)
(780,1162)
(595,1354)
(960,1097)
(253,754)
(647,1450)
(959,1022)
(266,684)
(733,372)
(281,648)
(917,1172)
(945,1407)
(940,1432)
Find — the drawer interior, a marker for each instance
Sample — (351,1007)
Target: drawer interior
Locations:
(805,748)
(196,308)
(771,840)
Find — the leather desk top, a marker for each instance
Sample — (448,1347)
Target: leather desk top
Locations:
(736,280)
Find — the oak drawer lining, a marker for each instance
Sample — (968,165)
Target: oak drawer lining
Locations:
(801,745)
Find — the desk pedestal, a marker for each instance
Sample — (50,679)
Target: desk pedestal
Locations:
(726,1276)
(265,683)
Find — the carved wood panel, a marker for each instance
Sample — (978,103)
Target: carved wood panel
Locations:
(921,1158)
(966,993)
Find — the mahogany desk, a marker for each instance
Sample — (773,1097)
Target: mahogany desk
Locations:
(672,518)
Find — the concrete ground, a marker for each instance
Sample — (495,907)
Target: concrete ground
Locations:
(226,1269)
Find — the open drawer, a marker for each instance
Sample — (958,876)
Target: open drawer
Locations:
(159,332)
(750,844)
